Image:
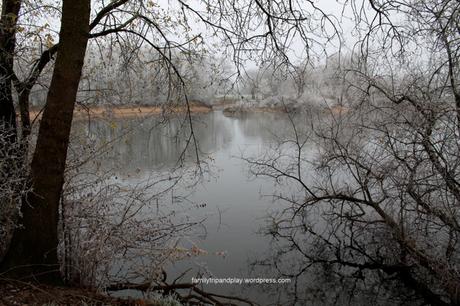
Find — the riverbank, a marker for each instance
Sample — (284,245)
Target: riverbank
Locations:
(14,293)
(23,293)
(81,112)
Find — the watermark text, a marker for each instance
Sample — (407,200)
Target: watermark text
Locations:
(239,281)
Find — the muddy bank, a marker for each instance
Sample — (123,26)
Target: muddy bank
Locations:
(128,111)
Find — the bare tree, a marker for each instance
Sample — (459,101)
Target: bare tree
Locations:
(375,205)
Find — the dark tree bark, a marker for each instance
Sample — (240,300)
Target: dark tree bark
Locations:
(9,151)
(8,21)
(33,250)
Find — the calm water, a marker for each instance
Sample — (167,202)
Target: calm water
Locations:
(230,201)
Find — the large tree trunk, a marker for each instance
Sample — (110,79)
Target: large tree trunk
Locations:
(33,250)
(8,21)
(8,132)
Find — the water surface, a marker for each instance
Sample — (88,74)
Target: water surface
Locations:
(230,202)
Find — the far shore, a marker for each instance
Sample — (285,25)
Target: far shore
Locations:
(125,111)
(128,111)
(234,110)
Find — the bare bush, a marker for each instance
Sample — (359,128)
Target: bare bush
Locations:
(13,186)
(119,228)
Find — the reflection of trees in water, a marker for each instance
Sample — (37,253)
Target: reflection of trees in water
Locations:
(262,126)
(321,274)
(150,143)
(213,132)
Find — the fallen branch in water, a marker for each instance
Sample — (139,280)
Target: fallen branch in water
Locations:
(195,293)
